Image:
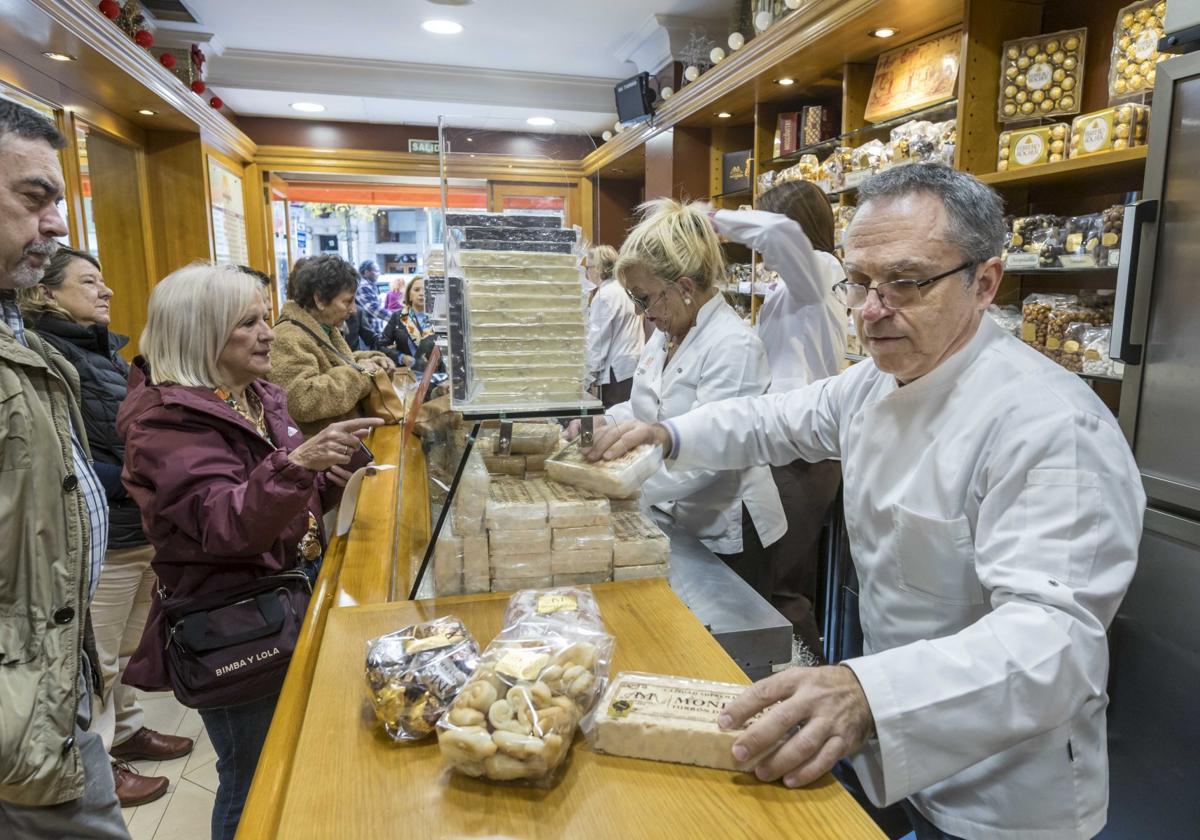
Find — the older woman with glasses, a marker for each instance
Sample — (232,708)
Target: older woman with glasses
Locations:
(700,352)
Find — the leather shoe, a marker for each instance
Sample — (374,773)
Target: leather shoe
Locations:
(134,789)
(148,745)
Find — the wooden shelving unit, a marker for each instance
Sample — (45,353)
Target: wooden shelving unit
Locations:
(1073,173)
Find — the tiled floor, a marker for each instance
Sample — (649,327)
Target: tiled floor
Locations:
(183,814)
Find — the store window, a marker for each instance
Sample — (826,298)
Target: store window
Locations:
(87,220)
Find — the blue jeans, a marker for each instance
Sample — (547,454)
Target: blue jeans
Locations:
(237,734)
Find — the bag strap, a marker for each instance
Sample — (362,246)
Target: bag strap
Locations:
(323,341)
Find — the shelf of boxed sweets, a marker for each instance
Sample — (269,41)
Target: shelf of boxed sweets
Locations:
(946,110)
(1103,168)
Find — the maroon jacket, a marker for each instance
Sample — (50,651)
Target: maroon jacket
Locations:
(220,505)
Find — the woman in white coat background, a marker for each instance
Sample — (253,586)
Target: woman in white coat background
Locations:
(700,352)
(803,327)
(614,331)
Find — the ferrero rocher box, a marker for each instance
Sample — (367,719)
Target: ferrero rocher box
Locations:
(1029,147)
(1111,129)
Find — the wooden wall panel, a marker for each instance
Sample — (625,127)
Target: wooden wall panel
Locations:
(616,206)
(677,163)
(117,183)
(179,216)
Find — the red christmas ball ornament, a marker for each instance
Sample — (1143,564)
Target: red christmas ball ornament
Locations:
(198,86)
(143,39)
(111,9)
(216,102)
(167,60)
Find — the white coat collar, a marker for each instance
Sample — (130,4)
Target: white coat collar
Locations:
(707,312)
(949,371)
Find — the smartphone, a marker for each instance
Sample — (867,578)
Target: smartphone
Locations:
(361,457)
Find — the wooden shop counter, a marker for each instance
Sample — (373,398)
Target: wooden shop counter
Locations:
(328,770)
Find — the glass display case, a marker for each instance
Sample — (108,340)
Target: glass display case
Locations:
(513,299)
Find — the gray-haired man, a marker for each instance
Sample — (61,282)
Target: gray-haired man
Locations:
(994,513)
(55,777)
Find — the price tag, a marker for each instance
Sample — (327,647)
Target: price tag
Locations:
(1114,257)
(1021,261)
(856,178)
(1077,261)
(555,602)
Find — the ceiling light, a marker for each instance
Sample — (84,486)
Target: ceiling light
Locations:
(470,139)
(442,27)
(884,32)
(543,121)
(146,112)
(785,82)
(57,56)
(308,107)
(724,115)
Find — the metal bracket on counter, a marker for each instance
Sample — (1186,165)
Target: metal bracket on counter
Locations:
(504,443)
(587,432)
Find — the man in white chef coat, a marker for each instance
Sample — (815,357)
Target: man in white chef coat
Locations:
(994,513)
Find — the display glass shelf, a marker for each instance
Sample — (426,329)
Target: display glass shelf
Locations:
(514,291)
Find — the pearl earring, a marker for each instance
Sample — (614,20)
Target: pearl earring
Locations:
(688,301)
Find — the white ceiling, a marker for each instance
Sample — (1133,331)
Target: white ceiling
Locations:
(369,60)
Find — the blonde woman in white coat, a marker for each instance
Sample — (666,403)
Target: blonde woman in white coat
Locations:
(803,328)
(700,353)
(614,331)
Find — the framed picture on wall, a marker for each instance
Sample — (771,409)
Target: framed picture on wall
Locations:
(915,76)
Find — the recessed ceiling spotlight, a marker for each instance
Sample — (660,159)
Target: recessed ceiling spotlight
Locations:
(146,112)
(308,107)
(470,139)
(723,115)
(442,27)
(785,82)
(540,121)
(884,32)
(57,56)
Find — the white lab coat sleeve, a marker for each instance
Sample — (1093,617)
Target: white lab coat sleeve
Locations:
(737,367)
(784,246)
(600,327)
(773,429)
(1055,545)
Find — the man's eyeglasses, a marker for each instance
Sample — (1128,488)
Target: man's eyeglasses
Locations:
(894,294)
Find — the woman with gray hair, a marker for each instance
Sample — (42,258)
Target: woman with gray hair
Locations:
(229,489)
(614,331)
(324,379)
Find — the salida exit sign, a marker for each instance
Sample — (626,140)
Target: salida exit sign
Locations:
(424,147)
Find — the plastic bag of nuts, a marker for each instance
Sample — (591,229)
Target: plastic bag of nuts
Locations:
(1096,361)
(1094,311)
(516,718)
(1135,55)
(1041,76)
(564,606)
(415,673)
(1113,221)
(1081,247)
(1036,312)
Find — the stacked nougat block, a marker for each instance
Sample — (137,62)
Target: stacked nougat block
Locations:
(535,533)
(516,315)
